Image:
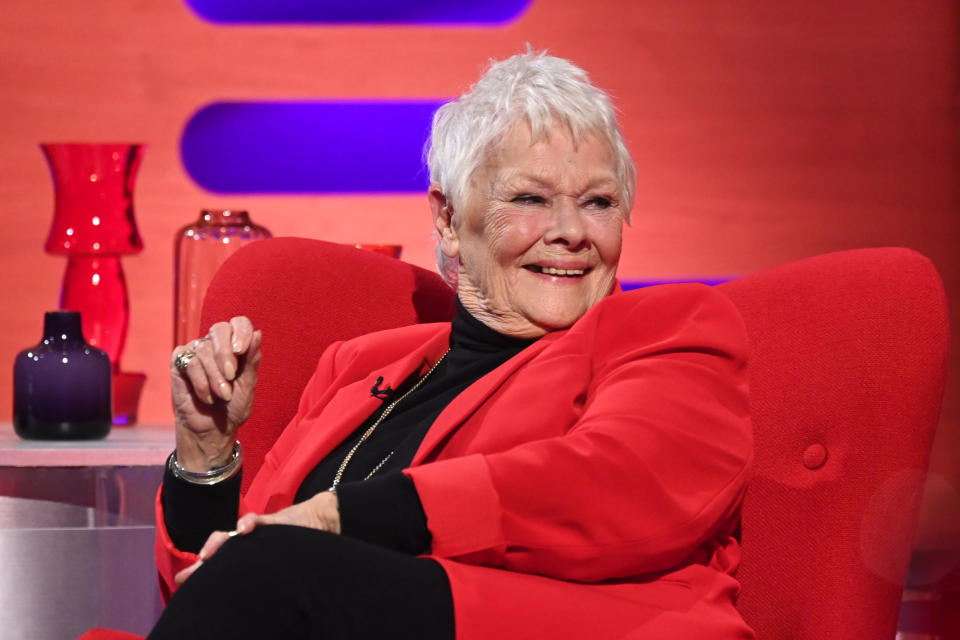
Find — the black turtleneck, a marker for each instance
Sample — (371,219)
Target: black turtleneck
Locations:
(383,509)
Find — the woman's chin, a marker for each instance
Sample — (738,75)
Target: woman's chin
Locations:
(559,303)
(553,317)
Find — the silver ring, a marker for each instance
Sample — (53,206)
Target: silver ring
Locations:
(196,343)
(183,359)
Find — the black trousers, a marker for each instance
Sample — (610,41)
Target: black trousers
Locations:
(294,582)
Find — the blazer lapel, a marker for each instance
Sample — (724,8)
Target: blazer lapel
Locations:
(458,411)
(346,411)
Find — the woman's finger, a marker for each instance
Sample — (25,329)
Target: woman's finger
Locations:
(178,351)
(250,362)
(221,338)
(272,518)
(242,334)
(182,576)
(247,523)
(213,544)
(216,381)
(195,375)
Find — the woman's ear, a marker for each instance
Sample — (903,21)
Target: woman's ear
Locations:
(443,221)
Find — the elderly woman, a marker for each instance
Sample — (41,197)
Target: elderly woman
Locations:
(559,461)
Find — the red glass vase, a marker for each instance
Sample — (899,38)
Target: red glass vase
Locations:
(390,250)
(93,225)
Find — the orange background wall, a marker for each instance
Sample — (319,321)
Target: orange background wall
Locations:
(763,132)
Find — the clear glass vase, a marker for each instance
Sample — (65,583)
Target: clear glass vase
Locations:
(199,250)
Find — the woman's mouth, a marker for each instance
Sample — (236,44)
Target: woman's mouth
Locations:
(554,271)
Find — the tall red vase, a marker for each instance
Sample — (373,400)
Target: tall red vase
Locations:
(93,225)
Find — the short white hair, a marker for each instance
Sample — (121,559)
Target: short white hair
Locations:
(542,91)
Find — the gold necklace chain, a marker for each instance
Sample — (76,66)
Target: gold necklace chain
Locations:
(369,432)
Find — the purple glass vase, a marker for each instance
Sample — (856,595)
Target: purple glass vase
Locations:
(61,387)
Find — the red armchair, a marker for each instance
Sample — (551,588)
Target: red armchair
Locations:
(847,369)
(848,360)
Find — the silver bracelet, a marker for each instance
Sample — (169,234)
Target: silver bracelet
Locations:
(213,476)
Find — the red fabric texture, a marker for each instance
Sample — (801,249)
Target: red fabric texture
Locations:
(847,367)
(543,478)
(299,292)
(108,634)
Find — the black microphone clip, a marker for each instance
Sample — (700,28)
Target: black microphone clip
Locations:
(379,393)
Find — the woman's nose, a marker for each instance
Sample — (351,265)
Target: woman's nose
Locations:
(566,224)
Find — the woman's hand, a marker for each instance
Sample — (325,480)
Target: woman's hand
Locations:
(213,396)
(319,512)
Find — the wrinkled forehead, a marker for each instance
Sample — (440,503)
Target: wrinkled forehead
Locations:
(539,156)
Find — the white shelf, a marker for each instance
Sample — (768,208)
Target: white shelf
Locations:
(137,446)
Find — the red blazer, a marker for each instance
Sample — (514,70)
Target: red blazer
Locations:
(586,488)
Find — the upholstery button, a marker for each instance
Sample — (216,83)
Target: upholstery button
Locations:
(814,456)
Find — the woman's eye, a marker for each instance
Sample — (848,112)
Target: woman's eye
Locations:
(528,198)
(600,202)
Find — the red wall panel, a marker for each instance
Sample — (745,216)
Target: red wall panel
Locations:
(762,131)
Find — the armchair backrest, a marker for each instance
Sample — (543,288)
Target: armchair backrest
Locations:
(847,367)
(847,370)
(306,294)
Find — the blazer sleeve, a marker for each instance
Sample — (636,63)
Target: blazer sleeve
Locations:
(171,560)
(655,465)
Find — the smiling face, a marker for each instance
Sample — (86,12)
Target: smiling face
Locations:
(538,238)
